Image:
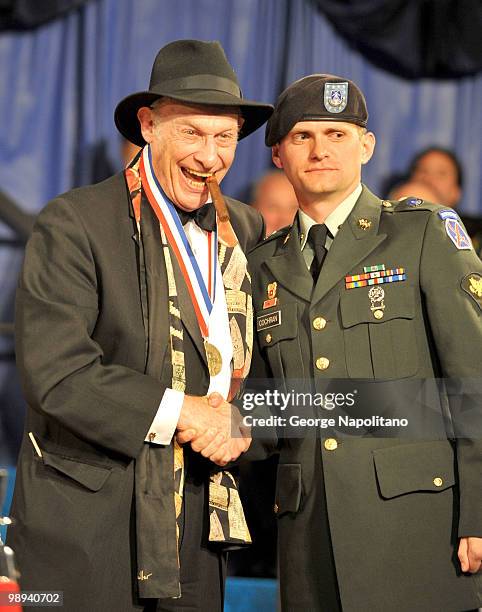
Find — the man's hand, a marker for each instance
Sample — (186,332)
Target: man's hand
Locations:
(470,554)
(212,437)
(203,422)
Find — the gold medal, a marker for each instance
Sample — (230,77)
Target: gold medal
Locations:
(215,361)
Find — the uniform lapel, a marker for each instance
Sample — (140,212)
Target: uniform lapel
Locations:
(352,243)
(288,265)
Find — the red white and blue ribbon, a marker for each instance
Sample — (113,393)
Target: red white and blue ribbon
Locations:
(202,295)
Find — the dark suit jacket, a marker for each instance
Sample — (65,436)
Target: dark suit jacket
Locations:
(395,506)
(91,314)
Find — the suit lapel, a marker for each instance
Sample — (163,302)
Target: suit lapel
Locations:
(352,243)
(156,290)
(288,265)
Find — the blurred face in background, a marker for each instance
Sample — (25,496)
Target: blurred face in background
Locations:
(439,171)
(189,144)
(418,189)
(276,201)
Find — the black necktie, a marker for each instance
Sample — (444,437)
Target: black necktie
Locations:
(317,239)
(205,216)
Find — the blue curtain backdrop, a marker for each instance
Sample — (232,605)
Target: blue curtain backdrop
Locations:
(59,84)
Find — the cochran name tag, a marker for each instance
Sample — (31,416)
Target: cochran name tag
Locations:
(268,320)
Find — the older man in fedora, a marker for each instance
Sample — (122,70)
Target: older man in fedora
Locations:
(133,305)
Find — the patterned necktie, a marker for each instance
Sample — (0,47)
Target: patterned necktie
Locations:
(317,239)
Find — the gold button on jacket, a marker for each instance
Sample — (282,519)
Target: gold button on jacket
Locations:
(319,323)
(330,444)
(322,363)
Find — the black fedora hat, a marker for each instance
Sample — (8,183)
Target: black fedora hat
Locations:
(191,71)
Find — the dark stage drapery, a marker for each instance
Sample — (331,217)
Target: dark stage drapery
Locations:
(412,38)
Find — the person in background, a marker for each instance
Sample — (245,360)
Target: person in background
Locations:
(15,217)
(441,169)
(274,198)
(412,188)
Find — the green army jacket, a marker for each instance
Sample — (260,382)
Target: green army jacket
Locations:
(401,504)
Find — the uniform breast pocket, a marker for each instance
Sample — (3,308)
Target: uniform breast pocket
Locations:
(379,334)
(278,337)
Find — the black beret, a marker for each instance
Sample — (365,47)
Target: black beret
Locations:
(317,97)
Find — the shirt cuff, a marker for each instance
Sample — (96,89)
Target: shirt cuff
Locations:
(164,424)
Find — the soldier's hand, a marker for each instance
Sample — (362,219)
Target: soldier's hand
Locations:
(219,434)
(470,554)
(230,451)
(236,445)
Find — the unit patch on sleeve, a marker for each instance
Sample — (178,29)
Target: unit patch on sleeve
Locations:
(455,229)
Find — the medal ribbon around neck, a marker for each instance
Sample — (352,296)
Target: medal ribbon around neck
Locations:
(202,297)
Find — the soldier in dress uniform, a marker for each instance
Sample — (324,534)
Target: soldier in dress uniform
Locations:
(388,292)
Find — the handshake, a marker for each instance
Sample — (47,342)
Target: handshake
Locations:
(213,427)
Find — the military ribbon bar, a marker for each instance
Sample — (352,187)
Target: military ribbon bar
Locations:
(382,273)
(393,278)
(376,268)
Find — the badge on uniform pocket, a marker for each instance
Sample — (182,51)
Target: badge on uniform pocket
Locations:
(272,299)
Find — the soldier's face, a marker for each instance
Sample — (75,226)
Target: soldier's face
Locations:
(188,144)
(323,159)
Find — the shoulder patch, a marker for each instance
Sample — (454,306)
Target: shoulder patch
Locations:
(472,285)
(448,213)
(457,234)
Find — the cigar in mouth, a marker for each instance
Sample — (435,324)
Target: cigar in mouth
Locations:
(217,197)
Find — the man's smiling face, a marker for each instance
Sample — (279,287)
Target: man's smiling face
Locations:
(188,144)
